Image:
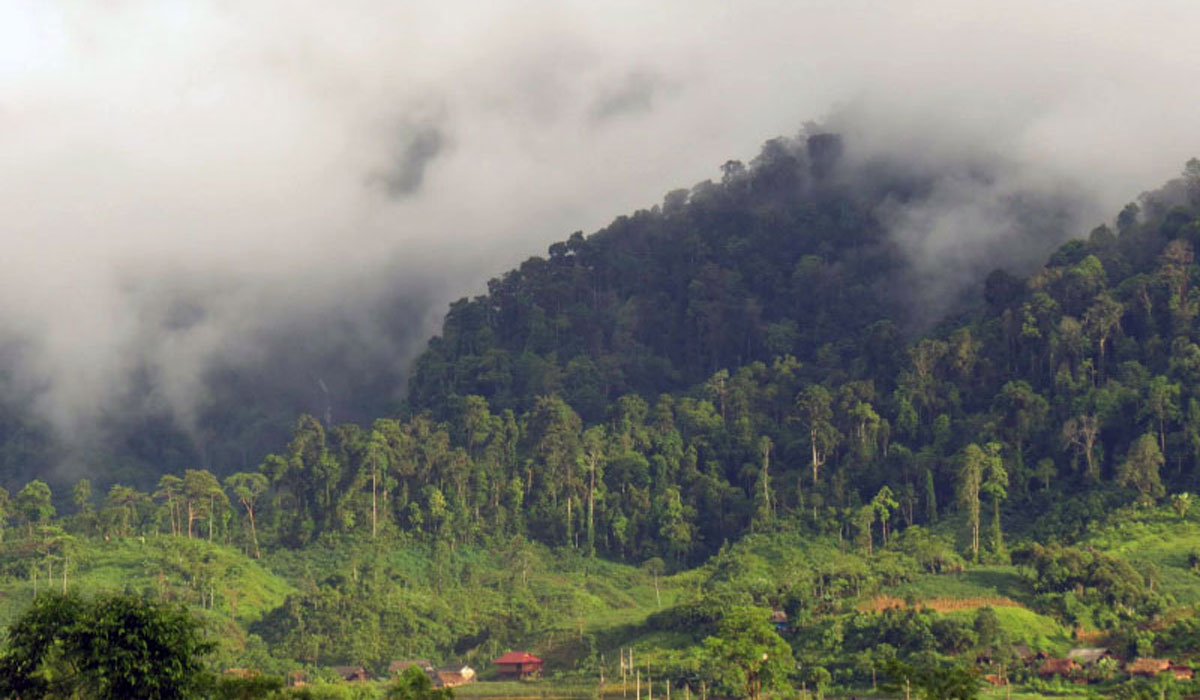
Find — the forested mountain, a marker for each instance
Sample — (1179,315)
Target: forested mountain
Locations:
(742,357)
(780,258)
(741,364)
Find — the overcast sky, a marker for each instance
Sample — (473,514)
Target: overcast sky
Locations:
(271,158)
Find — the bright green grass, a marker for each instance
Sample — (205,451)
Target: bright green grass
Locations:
(977,582)
(1017,694)
(1158,538)
(229,583)
(1020,625)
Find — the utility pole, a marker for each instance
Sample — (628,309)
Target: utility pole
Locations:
(622,651)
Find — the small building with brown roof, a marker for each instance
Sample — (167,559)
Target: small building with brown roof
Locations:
(1144,666)
(1181,672)
(454,676)
(1058,667)
(519,665)
(399,666)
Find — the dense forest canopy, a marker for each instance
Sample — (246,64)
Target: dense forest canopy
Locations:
(746,354)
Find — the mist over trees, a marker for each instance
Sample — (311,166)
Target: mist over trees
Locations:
(669,299)
(737,358)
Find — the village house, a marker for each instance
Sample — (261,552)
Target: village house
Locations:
(454,676)
(1148,667)
(1062,668)
(1181,672)
(518,665)
(399,666)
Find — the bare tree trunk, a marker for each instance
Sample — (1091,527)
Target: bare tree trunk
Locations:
(815,464)
(253,532)
(591,534)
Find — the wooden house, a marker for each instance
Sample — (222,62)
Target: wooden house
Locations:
(297,678)
(454,676)
(518,665)
(352,673)
(399,666)
(1063,668)
(1181,672)
(1143,666)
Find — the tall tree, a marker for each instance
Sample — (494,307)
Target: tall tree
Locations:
(247,487)
(122,502)
(203,496)
(1140,469)
(170,489)
(973,464)
(33,504)
(592,456)
(995,485)
(884,504)
(1161,404)
(1081,433)
(815,413)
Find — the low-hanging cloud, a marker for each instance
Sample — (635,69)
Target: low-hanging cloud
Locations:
(185,184)
(633,94)
(417,147)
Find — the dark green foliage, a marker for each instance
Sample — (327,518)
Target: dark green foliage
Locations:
(250,688)
(111,647)
(908,631)
(413,684)
(746,657)
(730,273)
(988,632)
(934,682)
(1089,576)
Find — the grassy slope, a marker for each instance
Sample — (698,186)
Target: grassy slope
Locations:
(606,601)
(230,589)
(1157,540)
(171,568)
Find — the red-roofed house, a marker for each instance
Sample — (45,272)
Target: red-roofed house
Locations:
(519,665)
